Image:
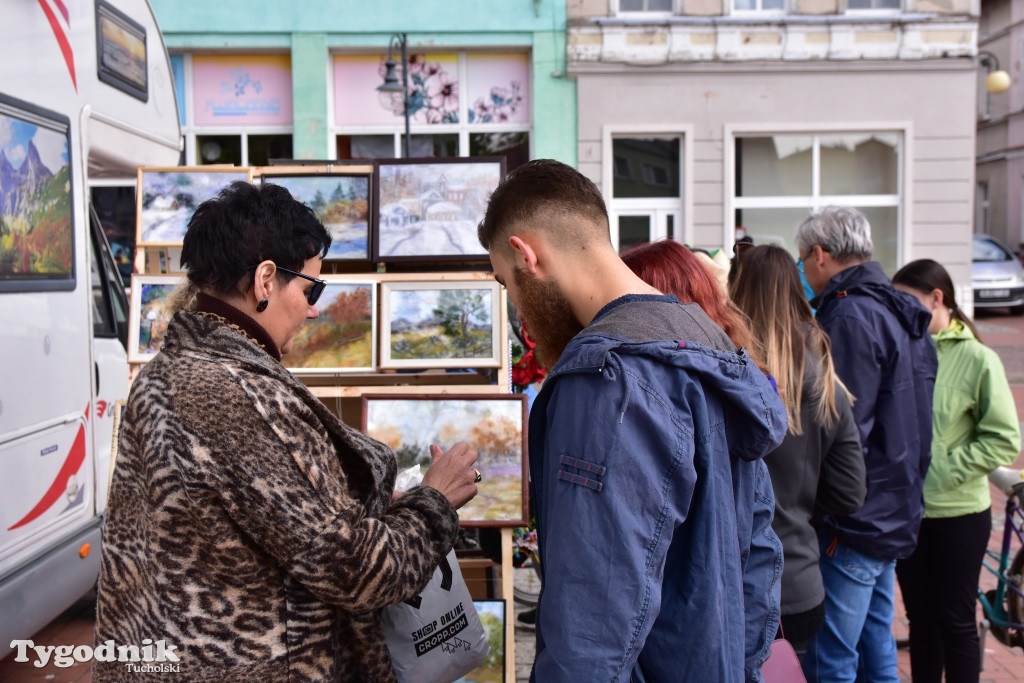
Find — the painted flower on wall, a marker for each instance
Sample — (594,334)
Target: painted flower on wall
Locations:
(499,107)
(433,94)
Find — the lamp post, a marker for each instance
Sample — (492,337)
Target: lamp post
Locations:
(997,81)
(391,89)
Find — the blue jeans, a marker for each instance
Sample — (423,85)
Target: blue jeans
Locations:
(856,641)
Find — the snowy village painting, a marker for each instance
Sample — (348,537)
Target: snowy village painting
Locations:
(169,196)
(492,425)
(341,202)
(340,339)
(36,222)
(428,209)
(440,324)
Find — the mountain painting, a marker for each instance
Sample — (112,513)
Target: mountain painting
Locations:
(492,425)
(36,227)
(169,198)
(342,203)
(341,338)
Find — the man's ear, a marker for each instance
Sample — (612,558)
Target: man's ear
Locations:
(523,251)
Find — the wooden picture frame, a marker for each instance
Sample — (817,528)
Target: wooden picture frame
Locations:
(494,619)
(440,324)
(341,197)
(343,338)
(148,314)
(166,198)
(494,425)
(428,210)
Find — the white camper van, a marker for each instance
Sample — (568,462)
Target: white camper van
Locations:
(85,91)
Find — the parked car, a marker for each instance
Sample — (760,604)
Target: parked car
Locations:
(996,275)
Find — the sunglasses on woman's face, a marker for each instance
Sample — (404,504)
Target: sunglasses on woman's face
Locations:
(314,292)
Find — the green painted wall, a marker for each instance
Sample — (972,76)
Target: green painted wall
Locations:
(310,29)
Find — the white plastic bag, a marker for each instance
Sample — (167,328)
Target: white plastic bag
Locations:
(437,636)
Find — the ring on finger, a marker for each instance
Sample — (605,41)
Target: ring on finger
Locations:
(478,478)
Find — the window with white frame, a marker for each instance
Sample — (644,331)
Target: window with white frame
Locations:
(743,6)
(234,109)
(646,206)
(461,103)
(661,6)
(779,179)
(887,5)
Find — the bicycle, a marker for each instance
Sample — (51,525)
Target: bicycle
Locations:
(1004,605)
(526,567)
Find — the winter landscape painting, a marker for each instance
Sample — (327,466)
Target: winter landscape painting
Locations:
(440,324)
(341,202)
(428,210)
(168,197)
(341,338)
(492,425)
(36,223)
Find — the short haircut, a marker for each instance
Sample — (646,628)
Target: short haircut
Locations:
(842,231)
(243,226)
(552,190)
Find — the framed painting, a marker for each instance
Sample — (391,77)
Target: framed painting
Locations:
(495,426)
(341,200)
(37,218)
(167,198)
(492,618)
(440,324)
(427,210)
(148,314)
(121,51)
(343,337)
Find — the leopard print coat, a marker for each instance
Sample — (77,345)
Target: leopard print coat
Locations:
(249,527)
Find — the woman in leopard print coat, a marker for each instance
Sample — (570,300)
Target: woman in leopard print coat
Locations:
(247,526)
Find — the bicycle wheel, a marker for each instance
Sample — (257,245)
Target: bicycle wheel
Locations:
(1014,603)
(526,583)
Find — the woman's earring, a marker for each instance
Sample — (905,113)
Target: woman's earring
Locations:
(262,305)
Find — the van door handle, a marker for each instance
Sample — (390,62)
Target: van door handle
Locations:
(97,366)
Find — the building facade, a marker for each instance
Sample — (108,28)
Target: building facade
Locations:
(704,119)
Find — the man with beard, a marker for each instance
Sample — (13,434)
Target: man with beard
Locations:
(653,505)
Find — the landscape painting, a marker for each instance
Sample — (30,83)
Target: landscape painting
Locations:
(341,338)
(168,197)
(36,220)
(149,314)
(428,210)
(493,425)
(440,324)
(341,202)
(492,618)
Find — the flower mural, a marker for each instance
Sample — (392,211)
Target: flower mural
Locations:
(499,106)
(433,94)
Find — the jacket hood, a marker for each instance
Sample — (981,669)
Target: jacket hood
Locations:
(956,332)
(753,415)
(868,279)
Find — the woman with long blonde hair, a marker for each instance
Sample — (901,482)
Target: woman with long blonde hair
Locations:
(819,468)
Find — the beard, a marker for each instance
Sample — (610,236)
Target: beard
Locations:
(549,318)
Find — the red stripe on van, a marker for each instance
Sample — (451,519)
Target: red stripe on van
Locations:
(76,456)
(62,40)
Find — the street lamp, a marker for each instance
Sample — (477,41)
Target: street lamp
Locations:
(997,81)
(391,91)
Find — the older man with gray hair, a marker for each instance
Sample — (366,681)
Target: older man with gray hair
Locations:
(883,353)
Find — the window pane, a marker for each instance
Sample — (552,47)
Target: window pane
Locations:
(653,164)
(772,226)
(219,149)
(659,5)
(634,230)
(631,5)
(446,145)
(515,147)
(859,164)
(884,236)
(744,5)
(366,147)
(115,207)
(773,4)
(774,166)
(873,4)
(263,148)
(496,88)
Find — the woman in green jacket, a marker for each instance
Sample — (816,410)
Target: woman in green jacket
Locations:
(974,431)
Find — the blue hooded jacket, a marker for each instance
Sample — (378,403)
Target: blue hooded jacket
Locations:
(884,354)
(653,504)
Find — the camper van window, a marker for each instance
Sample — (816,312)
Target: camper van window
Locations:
(109,302)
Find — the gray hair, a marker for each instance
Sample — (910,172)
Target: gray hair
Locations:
(842,231)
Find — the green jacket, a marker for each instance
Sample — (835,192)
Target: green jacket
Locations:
(975,427)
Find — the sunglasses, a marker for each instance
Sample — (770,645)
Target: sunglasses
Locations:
(314,292)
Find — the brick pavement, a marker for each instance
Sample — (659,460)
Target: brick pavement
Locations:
(1003,333)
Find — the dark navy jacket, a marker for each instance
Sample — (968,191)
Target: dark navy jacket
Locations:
(883,353)
(653,504)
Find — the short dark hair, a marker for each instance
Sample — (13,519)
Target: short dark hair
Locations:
(542,185)
(245,225)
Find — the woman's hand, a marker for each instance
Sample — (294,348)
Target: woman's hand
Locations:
(452,473)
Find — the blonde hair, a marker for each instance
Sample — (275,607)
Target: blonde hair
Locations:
(768,290)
